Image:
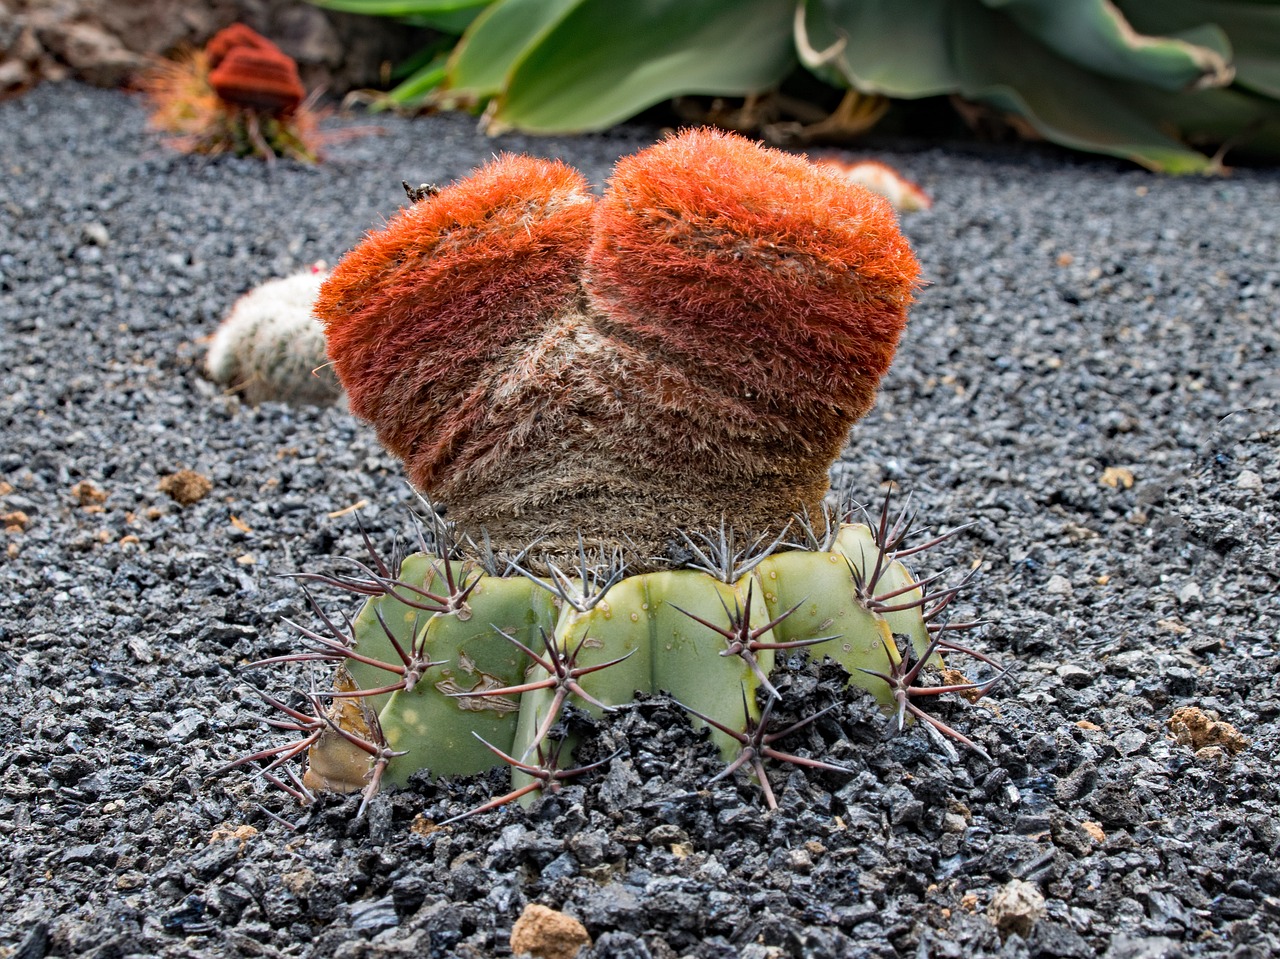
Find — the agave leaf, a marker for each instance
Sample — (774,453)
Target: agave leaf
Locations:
(871,46)
(1253,29)
(605,61)
(1065,103)
(414,88)
(447,16)
(980,54)
(1233,119)
(497,40)
(401,8)
(1095,35)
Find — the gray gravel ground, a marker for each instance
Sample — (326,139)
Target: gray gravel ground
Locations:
(1088,326)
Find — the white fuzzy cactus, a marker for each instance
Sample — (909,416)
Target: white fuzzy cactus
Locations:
(270,347)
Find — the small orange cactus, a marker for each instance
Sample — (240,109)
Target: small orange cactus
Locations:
(240,95)
(689,350)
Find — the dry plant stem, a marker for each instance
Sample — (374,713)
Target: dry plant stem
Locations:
(696,344)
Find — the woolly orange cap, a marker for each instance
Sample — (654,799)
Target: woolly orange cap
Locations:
(236,35)
(258,78)
(415,314)
(722,254)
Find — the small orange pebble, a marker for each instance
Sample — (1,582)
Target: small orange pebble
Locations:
(1093,830)
(241,834)
(185,487)
(1194,727)
(87,494)
(1117,477)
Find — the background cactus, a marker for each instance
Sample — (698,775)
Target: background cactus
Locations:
(270,347)
(241,94)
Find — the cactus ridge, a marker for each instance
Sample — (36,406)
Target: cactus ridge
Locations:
(461,660)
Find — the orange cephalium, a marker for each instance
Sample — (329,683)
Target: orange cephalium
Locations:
(418,315)
(236,35)
(755,265)
(262,79)
(691,349)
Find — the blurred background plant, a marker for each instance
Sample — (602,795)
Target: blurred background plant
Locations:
(1170,84)
(240,94)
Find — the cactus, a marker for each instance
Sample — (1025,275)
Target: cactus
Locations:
(882,179)
(583,379)
(270,347)
(241,94)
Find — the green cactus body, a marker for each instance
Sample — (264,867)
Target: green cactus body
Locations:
(450,667)
(430,720)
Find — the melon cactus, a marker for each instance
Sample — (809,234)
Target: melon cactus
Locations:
(600,392)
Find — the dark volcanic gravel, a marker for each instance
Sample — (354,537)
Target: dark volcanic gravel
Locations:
(1090,380)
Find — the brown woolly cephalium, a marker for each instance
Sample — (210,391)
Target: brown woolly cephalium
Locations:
(689,350)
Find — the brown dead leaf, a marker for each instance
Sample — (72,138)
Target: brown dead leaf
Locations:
(349,509)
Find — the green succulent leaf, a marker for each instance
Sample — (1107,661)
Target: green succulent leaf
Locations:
(1065,102)
(979,53)
(420,83)
(447,16)
(1094,34)
(497,40)
(603,62)
(869,45)
(1253,29)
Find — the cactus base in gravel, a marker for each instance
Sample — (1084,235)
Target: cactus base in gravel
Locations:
(457,664)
